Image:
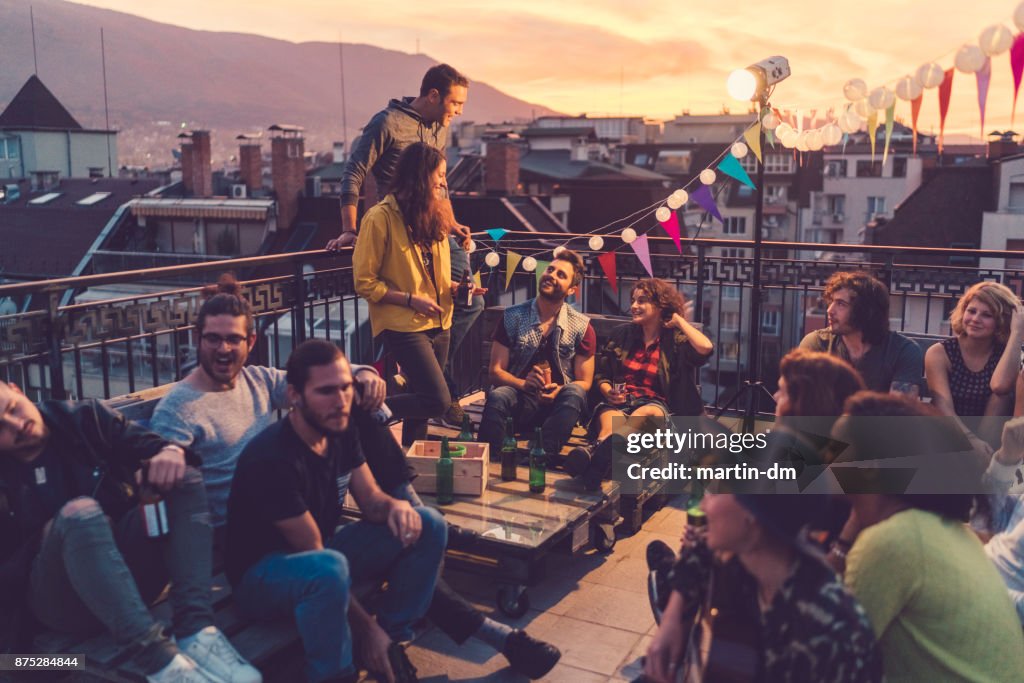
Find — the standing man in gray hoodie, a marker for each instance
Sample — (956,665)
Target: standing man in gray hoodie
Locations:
(443,93)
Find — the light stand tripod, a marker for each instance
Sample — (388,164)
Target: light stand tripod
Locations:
(753,387)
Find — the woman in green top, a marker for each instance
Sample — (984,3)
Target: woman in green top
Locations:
(936,603)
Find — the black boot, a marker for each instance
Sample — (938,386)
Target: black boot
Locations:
(531,657)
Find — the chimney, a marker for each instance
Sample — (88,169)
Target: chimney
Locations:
(288,171)
(202,174)
(339,152)
(501,167)
(1003,146)
(186,163)
(250,163)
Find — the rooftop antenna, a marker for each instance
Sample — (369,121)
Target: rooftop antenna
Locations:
(344,109)
(32,19)
(622,78)
(417,44)
(106,105)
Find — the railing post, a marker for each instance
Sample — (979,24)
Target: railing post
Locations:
(698,300)
(299,306)
(56,360)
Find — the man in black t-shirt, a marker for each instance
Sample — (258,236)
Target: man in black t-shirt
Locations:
(285,552)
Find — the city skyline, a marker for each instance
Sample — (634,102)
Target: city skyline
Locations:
(648,58)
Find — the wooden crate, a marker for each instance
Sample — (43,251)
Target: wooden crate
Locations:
(470,470)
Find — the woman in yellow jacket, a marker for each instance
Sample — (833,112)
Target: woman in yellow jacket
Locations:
(402,267)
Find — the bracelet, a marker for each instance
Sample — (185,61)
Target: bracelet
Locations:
(346,232)
(408,300)
(837,552)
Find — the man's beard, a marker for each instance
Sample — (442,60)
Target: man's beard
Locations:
(555,295)
(314,421)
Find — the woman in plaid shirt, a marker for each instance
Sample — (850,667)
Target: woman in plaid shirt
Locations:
(648,368)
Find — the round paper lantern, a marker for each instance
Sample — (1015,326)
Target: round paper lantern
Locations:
(707,176)
(850,121)
(682,195)
(930,75)
(995,40)
(558,251)
(881,98)
(492,259)
(596,242)
(908,88)
(529,264)
(472,246)
(770,120)
(782,130)
(674,202)
(801,141)
(863,108)
(815,140)
(739,150)
(789,139)
(969,59)
(1018,16)
(831,134)
(629,235)
(663,214)
(855,89)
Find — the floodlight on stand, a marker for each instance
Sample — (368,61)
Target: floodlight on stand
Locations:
(752,83)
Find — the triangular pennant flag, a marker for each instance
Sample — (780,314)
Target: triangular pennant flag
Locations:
(915,109)
(769,137)
(672,228)
(496,233)
(984,77)
(730,166)
(542,267)
(872,130)
(753,137)
(476,278)
(889,116)
(945,89)
(1017,67)
(702,195)
(607,261)
(643,252)
(512,260)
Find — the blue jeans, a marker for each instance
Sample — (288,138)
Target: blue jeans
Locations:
(555,419)
(463,318)
(314,587)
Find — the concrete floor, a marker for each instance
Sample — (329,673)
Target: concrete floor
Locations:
(593,607)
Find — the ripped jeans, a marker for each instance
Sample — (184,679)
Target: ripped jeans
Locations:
(92,573)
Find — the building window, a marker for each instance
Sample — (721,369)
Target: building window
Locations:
(749,163)
(869,169)
(775,194)
(835,168)
(778,163)
(770,322)
(1015,263)
(730,350)
(97,172)
(730,292)
(734,225)
(731,252)
(1016,199)
(730,320)
(899,167)
(673,161)
(876,206)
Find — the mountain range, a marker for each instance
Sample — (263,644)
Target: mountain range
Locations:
(162,78)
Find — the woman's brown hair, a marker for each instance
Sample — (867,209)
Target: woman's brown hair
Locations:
(428,216)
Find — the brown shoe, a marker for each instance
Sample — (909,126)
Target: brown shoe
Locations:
(453,416)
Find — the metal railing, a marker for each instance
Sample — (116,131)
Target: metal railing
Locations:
(113,346)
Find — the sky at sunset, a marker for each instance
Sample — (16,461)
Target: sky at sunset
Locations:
(645,57)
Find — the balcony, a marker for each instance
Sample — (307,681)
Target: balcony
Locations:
(70,345)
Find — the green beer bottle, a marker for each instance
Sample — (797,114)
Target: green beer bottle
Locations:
(538,464)
(508,452)
(445,475)
(466,435)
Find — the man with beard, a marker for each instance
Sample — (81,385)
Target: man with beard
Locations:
(542,362)
(858,332)
(286,554)
(223,404)
(76,554)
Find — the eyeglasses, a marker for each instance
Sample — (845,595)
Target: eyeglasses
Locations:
(215,340)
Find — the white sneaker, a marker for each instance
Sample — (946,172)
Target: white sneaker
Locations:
(218,659)
(180,670)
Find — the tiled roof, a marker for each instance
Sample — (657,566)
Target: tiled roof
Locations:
(49,240)
(36,107)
